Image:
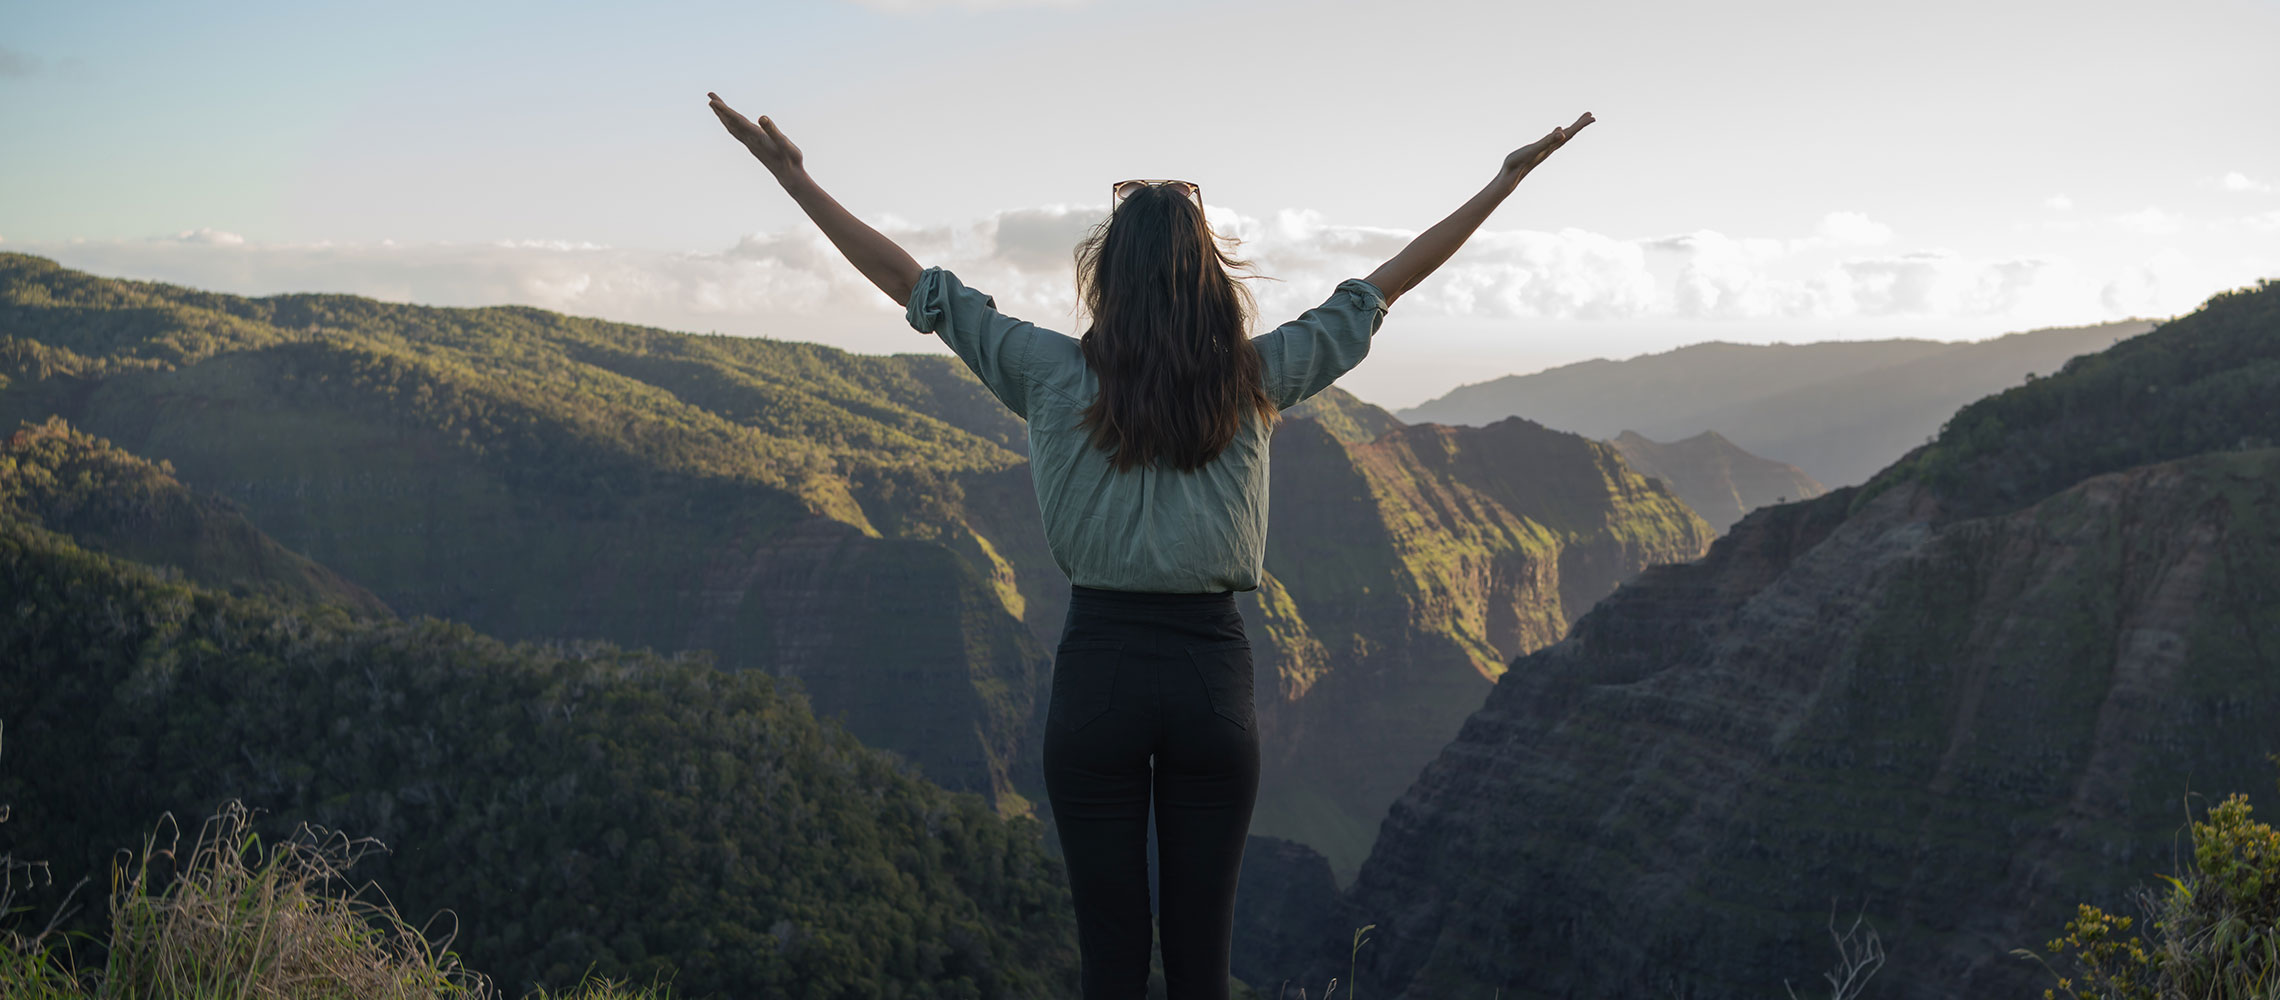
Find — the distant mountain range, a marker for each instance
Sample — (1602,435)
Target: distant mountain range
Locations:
(1716,478)
(1839,410)
(1957,700)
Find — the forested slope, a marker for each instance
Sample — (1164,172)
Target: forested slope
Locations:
(573,805)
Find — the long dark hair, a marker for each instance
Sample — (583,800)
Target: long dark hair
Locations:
(1168,341)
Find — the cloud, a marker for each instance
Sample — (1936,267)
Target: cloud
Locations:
(208,237)
(2150,221)
(2148,288)
(793,284)
(2242,183)
(1853,229)
(2059,203)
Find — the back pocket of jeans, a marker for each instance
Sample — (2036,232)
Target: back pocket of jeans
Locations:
(1084,683)
(1226,671)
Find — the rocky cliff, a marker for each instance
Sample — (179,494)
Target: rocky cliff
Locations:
(1407,571)
(1957,700)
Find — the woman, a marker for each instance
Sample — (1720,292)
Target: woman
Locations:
(1148,446)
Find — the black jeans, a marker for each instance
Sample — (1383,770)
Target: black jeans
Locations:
(1163,678)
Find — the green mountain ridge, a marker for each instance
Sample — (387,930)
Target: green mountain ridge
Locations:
(500,467)
(108,501)
(863,525)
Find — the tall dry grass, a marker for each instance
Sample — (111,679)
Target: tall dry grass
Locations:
(276,921)
(240,918)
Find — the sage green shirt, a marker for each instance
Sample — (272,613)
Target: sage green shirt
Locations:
(1148,529)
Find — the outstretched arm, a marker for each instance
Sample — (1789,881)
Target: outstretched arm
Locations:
(1434,246)
(872,253)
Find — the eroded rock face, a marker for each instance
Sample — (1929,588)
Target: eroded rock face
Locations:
(1959,729)
(1419,563)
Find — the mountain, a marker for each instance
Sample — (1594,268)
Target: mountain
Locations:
(1957,699)
(864,527)
(59,478)
(1345,416)
(1406,571)
(576,807)
(545,477)
(1839,410)
(1716,478)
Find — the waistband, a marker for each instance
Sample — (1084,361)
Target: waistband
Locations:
(1095,599)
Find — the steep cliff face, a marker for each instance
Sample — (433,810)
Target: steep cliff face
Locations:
(1715,476)
(1420,563)
(1958,700)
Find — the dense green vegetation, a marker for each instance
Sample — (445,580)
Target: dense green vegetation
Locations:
(61,478)
(2215,926)
(577,807)
(2209,381)
(544,477)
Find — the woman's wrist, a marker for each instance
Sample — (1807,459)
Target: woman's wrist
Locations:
(792,176)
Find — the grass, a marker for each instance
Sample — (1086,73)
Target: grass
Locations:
(244,919)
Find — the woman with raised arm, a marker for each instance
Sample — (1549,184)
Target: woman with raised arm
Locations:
(1148,445)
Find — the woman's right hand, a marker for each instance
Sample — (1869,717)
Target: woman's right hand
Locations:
(766,142)
(1526,157)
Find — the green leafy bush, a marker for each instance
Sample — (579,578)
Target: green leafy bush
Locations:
(2215,929)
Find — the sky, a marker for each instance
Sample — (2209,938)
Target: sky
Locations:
(1761,170)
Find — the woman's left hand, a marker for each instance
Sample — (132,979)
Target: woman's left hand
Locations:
(766,142)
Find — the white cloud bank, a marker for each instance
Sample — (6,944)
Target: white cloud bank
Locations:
(793,284)
(2243,184)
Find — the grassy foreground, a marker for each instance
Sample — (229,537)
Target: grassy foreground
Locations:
(237,917)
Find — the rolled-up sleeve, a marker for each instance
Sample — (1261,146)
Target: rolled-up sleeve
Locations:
(1302,357)
(994,345)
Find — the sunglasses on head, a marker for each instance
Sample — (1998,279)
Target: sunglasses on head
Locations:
(1190,189)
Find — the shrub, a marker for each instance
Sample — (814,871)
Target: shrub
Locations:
(2215,928)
